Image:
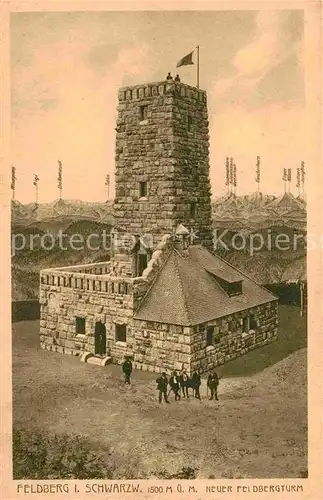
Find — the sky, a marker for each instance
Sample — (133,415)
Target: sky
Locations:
(66,69)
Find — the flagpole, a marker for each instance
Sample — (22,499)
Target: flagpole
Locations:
(198,67)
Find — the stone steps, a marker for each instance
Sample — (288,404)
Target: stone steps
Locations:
(95,360)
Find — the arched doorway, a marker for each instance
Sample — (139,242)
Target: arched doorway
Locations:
(100,339)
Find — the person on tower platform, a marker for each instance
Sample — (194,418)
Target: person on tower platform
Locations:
(177,79)
(169,76)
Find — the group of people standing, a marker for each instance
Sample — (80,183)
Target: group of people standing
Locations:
(179,383)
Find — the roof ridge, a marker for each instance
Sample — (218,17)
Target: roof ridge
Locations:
(243,274)
(182,287)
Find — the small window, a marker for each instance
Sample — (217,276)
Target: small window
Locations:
(142,189)
(235,288)
(245,324)
(253,322)
(143,113)
(80,326)
(209,335)
(142,263)
(216,338)
(232,325)
(189,123)
(193,209)
(121,333)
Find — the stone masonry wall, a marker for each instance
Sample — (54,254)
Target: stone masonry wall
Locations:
(230,340)
(155,347)
(106,299)
(109,297)
(160,347)
(169,151)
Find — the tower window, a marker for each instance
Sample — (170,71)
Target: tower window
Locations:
(193,209)
(189,123)
(143,113)
(142,189)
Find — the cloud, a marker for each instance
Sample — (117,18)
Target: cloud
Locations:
(274,41)
(69,111)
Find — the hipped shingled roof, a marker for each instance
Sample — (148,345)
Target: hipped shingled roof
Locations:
(186,293)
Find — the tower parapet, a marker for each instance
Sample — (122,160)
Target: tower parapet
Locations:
(171,87)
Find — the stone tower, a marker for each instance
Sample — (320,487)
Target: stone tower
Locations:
(162,160)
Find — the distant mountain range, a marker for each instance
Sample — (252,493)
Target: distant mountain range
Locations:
(61,209)
(247,215)
(257,211)
(254,210)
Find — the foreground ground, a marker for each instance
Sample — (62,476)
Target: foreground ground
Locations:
(257,429)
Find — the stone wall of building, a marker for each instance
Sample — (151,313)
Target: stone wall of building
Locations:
(64,296)
(169,150)
(156,347)
(110,297)
(161,347)
(230,341)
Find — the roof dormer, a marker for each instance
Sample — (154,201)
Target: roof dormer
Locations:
(229,281)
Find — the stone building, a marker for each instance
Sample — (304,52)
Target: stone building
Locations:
(163,297)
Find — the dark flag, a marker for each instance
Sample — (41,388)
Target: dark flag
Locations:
(36,179)
(186,60)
